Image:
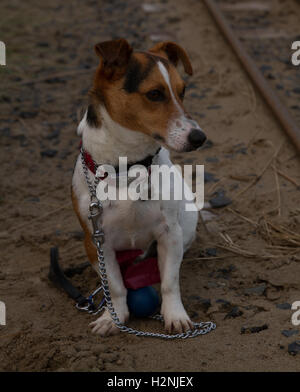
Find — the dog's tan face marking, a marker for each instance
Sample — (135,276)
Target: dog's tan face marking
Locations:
(143,92)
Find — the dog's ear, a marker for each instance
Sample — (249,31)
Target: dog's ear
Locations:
(174,53)
(114,56)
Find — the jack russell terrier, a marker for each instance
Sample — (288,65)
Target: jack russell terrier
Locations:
(136,111)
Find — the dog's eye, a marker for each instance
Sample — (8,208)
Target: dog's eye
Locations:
(155,95)
(181,95)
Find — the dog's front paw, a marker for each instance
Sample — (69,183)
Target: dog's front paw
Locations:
(176,318)
(104,325)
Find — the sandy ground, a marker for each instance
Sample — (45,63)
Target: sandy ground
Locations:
(44,85)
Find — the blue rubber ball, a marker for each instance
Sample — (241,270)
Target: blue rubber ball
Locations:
(143,302)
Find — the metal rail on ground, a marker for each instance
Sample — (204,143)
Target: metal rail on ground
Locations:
(279,110)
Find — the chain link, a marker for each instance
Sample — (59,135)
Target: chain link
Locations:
(199,328)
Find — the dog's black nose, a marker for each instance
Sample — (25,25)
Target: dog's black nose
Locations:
(196,138)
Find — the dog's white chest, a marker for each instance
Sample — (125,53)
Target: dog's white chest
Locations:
(131,224)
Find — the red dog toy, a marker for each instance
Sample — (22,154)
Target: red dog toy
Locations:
(135,276)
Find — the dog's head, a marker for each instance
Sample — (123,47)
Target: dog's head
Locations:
(144,92)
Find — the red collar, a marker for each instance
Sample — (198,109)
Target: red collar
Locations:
(89,161)
(92,165)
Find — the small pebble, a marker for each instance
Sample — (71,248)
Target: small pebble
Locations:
(271,76)
(42,44)
(204,303)
(55,80)
(212,252)
(254,329)
(48,153)
(288,333)
(265,68)
(53,135)
(28,114)
(242,150)
(235,312)
(220,200)
(284,306)
(224,303)
(294,348)
(225,273)
(258,290)
(209,177)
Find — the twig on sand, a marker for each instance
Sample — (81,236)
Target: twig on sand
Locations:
(234,248)
(285,248)
(240,178)
(251,141)
(215,185)
(11,335)
(40,217)
(259,176)
(242,216)
(243,252)
(288,178)
(280,235)
(206,258)
(278,208)
(265,227)
(23,123)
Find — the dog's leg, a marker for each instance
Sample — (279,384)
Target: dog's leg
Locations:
(104,325)
(170,253)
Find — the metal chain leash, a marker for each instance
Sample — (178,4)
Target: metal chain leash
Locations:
(96,210)
(92,186)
